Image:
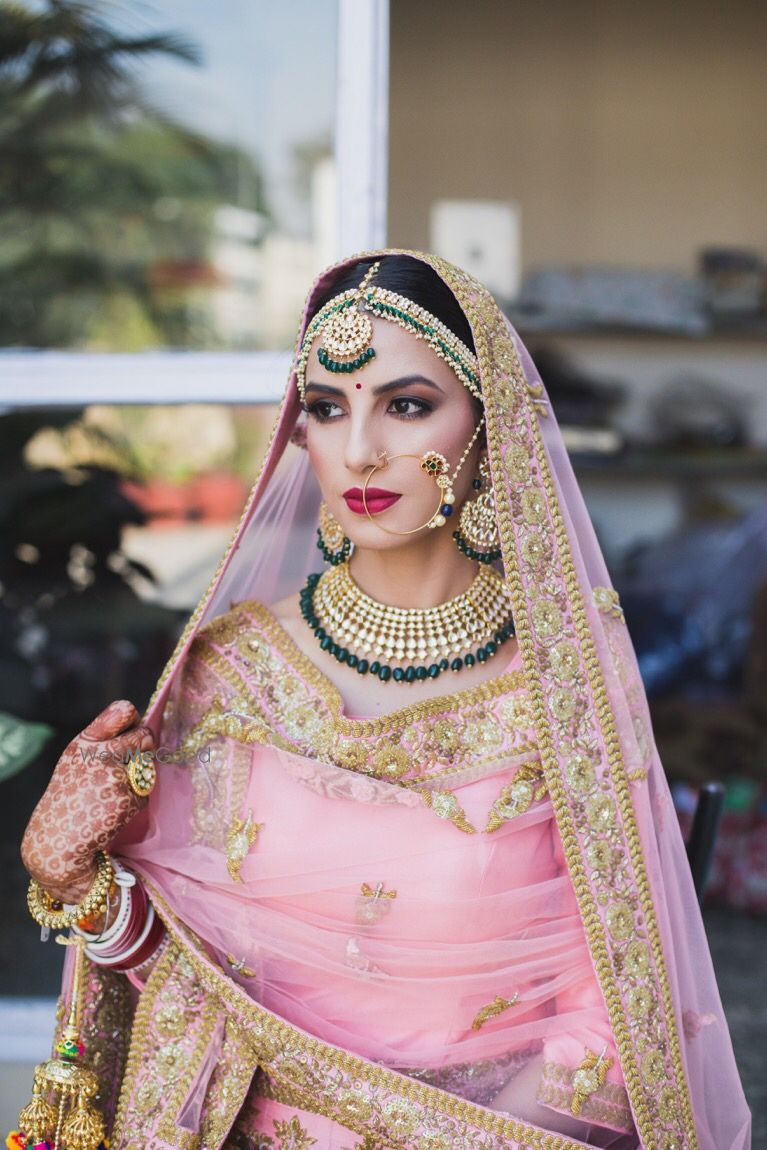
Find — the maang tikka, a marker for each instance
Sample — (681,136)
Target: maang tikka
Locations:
(343,326)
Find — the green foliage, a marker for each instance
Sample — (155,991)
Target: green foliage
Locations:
(98,188)
(20,743)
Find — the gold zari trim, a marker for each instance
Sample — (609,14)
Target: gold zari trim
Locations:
(608,1104)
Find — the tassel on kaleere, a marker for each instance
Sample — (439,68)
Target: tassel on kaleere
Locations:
(61,1114)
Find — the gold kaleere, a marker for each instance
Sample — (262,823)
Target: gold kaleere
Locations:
(61,1111)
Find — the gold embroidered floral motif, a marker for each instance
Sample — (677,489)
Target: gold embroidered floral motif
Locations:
(242,836)
(589,1077)
(292,1135)
(636,961)
(535,549)
(533,506)
(608,600)
(600,811)
(528,785)
(620,920)
(547,618)
(446,806)
(653,1067)
(391,761)
(493,1009)
(640,1001)
(580,772)
(564,660)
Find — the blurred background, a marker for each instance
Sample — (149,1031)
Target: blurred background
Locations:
(173,175)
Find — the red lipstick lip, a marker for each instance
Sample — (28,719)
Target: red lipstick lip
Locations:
(377,499)
(370,494)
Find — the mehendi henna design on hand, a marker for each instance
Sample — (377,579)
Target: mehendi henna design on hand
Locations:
(86,803)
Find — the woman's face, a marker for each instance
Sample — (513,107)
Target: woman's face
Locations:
(406,401)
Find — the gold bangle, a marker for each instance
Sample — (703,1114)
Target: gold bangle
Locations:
(50,912)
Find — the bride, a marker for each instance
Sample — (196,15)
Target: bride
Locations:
(398,865)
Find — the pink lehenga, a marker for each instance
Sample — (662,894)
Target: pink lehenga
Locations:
(376,924)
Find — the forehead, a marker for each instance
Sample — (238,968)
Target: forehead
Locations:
(398,353)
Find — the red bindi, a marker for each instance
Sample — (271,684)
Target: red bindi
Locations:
(358,386)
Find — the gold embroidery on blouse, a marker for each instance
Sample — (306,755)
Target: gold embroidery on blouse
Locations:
(493,1009)
(589,1077)
(403,744)
(527,785)
(241,838)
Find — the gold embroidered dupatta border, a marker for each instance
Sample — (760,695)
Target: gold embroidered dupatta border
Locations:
(591,796)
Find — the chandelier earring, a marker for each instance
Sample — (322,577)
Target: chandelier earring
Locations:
(334,545)
(477,534)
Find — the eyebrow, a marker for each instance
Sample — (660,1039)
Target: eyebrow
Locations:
(383,388)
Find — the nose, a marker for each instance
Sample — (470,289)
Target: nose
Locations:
(362,449)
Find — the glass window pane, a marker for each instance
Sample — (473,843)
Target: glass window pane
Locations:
(167,175)
(113,522)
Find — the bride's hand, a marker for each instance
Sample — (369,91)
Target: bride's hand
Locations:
(86,803)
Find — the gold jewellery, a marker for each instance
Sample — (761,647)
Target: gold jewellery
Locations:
(364,634)
(434,464)
(345,331)
(51,914)
(62,1112)
(142,773)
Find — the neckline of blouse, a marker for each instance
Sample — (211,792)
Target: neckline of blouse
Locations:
(508,680)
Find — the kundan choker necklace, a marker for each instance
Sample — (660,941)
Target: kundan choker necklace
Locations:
(365,634)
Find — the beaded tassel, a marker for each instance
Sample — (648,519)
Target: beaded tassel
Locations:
(61,1115)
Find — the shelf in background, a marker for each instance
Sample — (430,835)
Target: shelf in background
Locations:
(733,463)
(754,331)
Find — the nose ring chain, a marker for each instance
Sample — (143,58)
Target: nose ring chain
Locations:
(434,464)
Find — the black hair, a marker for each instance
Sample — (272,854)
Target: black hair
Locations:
(411,278)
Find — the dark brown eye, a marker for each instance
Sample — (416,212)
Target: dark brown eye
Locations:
(407,407)
(322,410)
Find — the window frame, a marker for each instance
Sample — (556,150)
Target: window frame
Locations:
(31,378)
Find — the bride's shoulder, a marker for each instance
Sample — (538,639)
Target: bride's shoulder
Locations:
(247,619)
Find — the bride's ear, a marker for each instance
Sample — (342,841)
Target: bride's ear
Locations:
(298,436)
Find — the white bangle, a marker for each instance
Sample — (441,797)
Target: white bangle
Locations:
(121,956)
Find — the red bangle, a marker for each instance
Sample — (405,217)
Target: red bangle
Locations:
(147,948)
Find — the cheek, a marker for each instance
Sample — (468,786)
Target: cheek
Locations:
(319,455)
